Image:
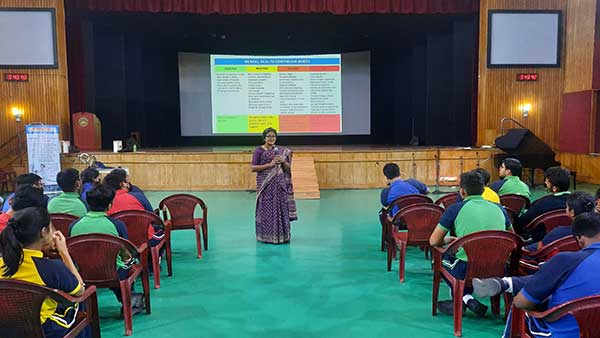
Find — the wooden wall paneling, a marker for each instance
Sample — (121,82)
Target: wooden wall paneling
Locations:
(500,94)
(580,32)
(586,165)
(45,96)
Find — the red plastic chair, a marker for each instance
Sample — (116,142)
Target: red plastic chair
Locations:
(62,222)
(532,263)
(420,219)
(383,221)
(406,200)
(514,202)
(20,304)
(488,253)
(137,223)
(96,255)
(549,221)
(447,200)
(586,311)
(180,216)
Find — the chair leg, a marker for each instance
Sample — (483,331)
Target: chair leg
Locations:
(169,255)
(126,302)
(155,253)
(198,242)
(457,297)
(401,261)
(391,253)
(495,305)
(92,309)
(146,287)
(435,292)
(205,235)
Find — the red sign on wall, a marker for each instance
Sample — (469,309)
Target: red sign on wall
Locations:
(13,77)
(527,77)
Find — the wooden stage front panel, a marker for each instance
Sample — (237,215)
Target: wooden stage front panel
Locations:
(339,167)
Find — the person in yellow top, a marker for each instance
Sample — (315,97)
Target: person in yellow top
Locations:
(28,233)
(488,193)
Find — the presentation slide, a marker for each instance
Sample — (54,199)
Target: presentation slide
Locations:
(293,94)
(325,94)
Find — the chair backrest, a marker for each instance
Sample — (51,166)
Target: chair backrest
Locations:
(420,219)
(447,200)
(406,200)
(20,305)
(181,210)
(549,220)
(514,202)
(488,253)
(586,311)
(62,222)
(137,222)
(560,245)
(96,255)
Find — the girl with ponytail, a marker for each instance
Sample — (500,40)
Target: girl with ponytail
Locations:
(28,234)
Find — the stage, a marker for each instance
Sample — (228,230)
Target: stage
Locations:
(334,167)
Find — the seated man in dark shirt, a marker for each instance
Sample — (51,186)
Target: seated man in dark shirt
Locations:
(557,181)
(578,203)
(26,179)
(565,277)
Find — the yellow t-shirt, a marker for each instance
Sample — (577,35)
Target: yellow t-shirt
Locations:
(490,195)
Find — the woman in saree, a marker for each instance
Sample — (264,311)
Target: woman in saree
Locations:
(275,206)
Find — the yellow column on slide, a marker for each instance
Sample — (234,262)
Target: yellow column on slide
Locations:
(261,69)
(258,123)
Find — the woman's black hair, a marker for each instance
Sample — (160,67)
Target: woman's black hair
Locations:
(23,229)
(268,130)
(581,202)
(89,174)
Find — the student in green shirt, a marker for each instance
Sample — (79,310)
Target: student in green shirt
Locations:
(471,215)
(510,181)
(68,202)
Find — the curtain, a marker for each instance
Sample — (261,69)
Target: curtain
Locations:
(229,7)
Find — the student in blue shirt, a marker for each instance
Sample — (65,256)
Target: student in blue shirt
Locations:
(565,277)
(90,178)
(399,187)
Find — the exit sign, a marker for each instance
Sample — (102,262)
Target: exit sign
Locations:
(16,77)
(527,77)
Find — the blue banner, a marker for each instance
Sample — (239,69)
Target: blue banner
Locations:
(43,152)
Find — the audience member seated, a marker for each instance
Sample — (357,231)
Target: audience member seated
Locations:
(557,181)
(97,221)
(565,277)
(68,202)
(22,243)
(398,187)
(26,196)
(471,215)
(578,203)
(598,200)
(510,181)
(90,178)
(125,199)
(26,179)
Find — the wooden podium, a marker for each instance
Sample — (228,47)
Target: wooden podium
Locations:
(87,131)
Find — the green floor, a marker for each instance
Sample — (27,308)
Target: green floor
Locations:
(331,281)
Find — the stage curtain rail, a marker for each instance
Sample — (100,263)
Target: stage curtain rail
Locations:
(231,7)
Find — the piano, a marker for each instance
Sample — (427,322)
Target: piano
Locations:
(522,144)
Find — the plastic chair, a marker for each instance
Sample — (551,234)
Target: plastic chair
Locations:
(586,311)
(514,202)
(406,200)
(180,216)
(548,221)
(20,304)
(420,219)
(447,200)
(383,221)
(488,253)
(96,255)
(531,264)
(137,223)
(62,222)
